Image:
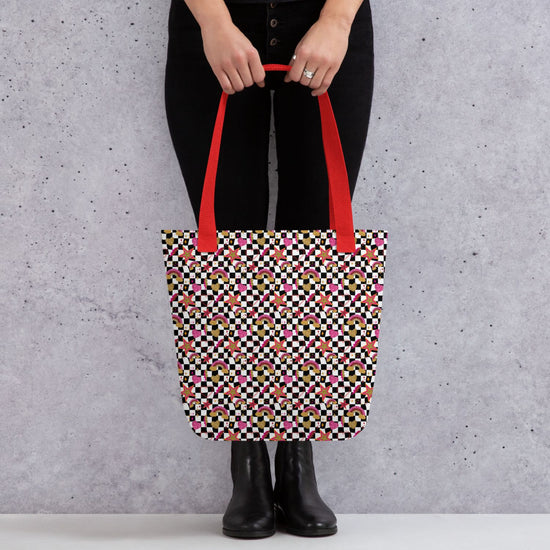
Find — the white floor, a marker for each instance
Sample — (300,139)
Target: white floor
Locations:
(365,532)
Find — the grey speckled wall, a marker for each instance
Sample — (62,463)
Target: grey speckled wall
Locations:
(456,168)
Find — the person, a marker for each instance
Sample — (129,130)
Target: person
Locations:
(223,45)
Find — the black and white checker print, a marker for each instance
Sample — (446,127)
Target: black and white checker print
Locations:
(276,332)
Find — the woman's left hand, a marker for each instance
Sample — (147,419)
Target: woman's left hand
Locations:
(321,50)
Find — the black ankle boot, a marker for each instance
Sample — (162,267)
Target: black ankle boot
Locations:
(298,505)
(250,512)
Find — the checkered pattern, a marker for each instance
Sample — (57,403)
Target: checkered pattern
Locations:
(276,331)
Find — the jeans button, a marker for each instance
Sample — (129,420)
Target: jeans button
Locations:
(273,41)
(272,4)
(273,22)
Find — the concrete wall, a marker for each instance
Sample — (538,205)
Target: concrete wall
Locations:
(456,169)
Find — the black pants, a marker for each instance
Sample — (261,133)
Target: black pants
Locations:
(192,95)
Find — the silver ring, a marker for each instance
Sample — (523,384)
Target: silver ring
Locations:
(308,74)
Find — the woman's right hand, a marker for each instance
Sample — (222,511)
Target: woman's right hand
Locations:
(234,60)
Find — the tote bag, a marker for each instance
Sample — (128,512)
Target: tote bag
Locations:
(276,331)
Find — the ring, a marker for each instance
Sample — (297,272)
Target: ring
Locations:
(294,57)
(308,74)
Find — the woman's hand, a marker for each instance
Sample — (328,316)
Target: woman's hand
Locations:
(321,50)
(233,58)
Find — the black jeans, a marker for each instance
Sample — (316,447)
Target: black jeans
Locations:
(192,95)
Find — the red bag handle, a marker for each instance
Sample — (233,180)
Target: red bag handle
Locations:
(341,217)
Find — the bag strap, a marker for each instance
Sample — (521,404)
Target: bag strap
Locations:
(340,211)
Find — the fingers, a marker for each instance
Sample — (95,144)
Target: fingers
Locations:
(323,73)
(294,72)
(225,83)
(235,81)
(302,60)
(306,81)
(257,70)
(325,82)
(319,71)
(244,70)
(232,56)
